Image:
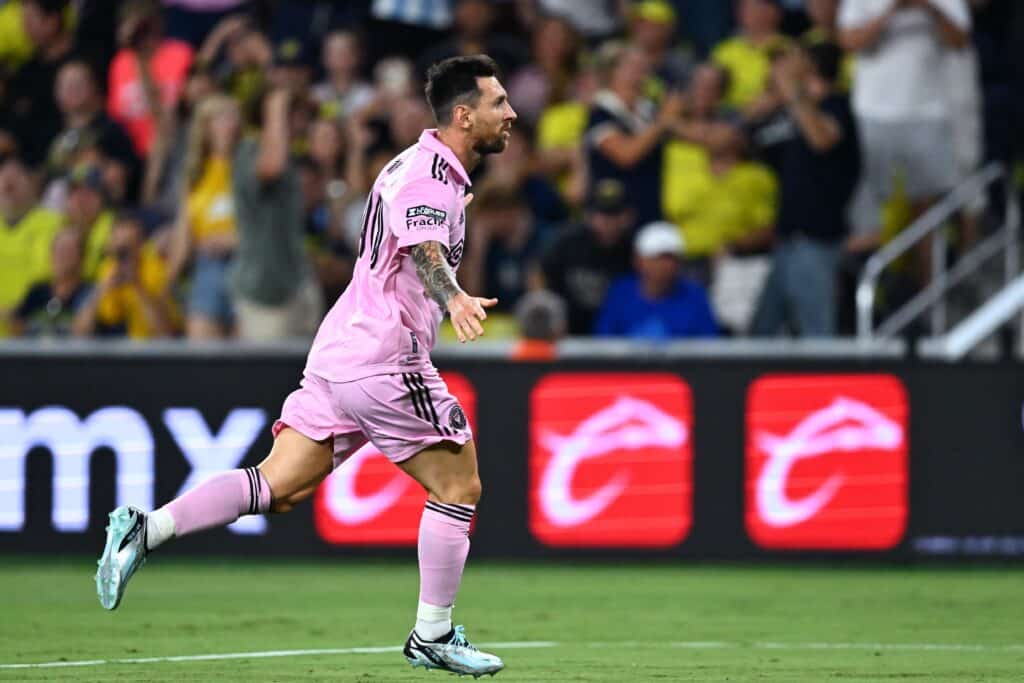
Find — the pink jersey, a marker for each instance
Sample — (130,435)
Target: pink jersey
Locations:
(385,322)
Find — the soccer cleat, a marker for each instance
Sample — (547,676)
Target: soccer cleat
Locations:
(123,554)
(451,652)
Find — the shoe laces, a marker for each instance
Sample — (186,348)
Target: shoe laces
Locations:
(459,638)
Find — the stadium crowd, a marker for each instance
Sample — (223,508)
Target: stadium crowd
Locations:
(686,168)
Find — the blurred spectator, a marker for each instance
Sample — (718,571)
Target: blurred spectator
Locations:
(719,200)
(16,46)
(26,231)
(86,126)
(818,173)
(342,92)
(902,111)
(192,20)
(515,172)
(324,206)
(548,76)
(407,28)
(705,22)
(473,23)
(625,133)
(290,68)
(30,104)
(238,57)
(131,296)
(275,293)
(584,259)
(205,230)
(148,73)
(542,321)
(88,213)
(747,56)
(652,29)
(656,302)
(595,19)
(50,305)
(561,154)
(505,245)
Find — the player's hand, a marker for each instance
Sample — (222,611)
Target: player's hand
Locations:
(467,312)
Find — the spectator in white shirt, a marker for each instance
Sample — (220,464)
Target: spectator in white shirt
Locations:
(899,93)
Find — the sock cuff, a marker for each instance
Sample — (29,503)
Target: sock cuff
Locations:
(453,511)
(259,491)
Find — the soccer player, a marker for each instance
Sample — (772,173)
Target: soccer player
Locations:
(369,376)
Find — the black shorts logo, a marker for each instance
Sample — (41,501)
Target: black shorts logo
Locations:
(457,418)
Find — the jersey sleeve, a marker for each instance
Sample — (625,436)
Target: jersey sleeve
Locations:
(421,212)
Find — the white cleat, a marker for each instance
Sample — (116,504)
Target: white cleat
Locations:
(451,652)
(123,554)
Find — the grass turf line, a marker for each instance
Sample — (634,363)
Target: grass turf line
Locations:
(182,607)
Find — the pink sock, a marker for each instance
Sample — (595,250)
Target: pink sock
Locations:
(443,547)
(220,500)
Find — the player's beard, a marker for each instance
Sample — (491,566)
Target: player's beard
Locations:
(495,145)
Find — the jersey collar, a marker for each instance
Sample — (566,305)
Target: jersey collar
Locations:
(429,141)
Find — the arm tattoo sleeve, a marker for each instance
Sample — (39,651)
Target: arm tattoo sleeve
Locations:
(435,273)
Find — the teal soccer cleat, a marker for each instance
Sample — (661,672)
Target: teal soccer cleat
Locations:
(123,554)
(451,652)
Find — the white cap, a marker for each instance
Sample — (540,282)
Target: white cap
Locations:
(657,239)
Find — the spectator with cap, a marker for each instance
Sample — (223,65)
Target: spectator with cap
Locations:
(204,232)
(626,132)
(131,297)
(819,168)
(290,69)
(148,73)
(747,55)
(49,307)
(656,302)
(26,231)
(903,113)
(583,259)
(86,125)
(343,92)
(87,211)
(652,29)
(29,97)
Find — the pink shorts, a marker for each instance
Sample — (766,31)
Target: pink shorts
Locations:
(400,414)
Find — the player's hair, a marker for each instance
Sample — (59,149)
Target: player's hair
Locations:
(453,81)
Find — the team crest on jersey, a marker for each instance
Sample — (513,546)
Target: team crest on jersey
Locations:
(423,217)
(457,418)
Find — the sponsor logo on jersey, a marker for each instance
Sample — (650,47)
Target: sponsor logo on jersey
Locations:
(424,217)
(826,462)
(610,460)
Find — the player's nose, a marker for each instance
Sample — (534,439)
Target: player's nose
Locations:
(511,114)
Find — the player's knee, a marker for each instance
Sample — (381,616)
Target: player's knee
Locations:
(280,506)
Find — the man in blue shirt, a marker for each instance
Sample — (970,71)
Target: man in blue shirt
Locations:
(656,302)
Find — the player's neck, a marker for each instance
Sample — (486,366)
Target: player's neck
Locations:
(460,147)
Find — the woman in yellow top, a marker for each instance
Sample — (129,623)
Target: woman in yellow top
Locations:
(205,230)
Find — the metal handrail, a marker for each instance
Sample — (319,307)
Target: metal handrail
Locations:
(931,222)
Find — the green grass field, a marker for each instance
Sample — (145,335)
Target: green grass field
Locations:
(602,623)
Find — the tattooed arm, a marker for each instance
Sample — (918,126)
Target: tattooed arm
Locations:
(435,273)
(439,280)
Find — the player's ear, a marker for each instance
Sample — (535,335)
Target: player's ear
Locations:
(462,116)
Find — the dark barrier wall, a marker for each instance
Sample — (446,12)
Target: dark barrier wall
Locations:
(712,459)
